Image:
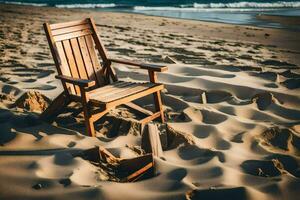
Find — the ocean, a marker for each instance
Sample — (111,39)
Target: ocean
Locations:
(226,11)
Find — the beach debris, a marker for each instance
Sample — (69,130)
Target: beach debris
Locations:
(170,60)
(203,97)
(33,101)
(217,192)
(118,169)
(151,141)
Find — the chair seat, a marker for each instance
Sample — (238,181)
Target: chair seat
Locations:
(122,92)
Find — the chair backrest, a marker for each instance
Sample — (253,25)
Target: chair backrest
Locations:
(76,47)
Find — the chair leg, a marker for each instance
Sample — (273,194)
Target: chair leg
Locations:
(158,105)
(55,108)
(90,127)
(89,123)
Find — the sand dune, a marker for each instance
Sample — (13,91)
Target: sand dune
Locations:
(232,106)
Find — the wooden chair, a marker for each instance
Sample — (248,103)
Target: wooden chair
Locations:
(76,48)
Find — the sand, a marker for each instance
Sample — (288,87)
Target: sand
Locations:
(232,101)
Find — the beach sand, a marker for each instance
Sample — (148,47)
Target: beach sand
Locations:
(232,100)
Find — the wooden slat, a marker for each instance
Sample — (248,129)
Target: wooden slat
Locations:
(68,24)
(150,118)
(122,93)
(71,29)
(64,66)
(72,35)
(53,50)
(71,62)
(86,59)
(78,59)
(113,90)
(95,61)
(139,108)
(133,96)
(110,89)
(127,92)
(76,81)
(104,88)
(135,175)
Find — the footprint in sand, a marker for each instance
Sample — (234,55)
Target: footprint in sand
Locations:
(201,156)
(291,83)
(211,117)
(264,168)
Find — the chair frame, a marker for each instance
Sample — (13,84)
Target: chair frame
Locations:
(90,114)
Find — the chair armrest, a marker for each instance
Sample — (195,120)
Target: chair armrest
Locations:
(76,81)
(150,67)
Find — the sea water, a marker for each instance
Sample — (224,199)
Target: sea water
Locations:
(226,11)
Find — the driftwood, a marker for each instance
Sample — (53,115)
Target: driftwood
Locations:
(118,169)
(151,141)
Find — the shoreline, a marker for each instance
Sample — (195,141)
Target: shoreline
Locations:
(264,22)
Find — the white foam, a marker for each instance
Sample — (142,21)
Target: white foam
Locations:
(240,6)
(245,4)
(89,5)
(23,3)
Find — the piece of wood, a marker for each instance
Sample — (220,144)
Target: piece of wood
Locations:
(71,62)
(123,92)
(64,66)
(157,96)
(53,50)
(152,67)
(72,35)
(151,140)
(67,24)
(78,59)
(150,118)
(203,96)
(108,88)
(56,106)
(132,97)
(71,29)
(98,115)
(86,113)
(86,59)
(98,70)
(76,81)
(136,175)
(136,167)
(138,108)
(106,154)
(111,71)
